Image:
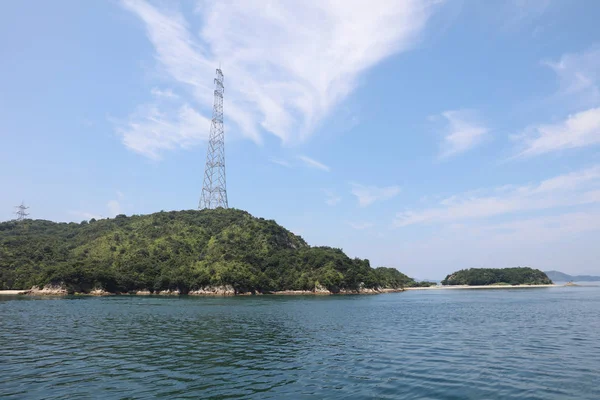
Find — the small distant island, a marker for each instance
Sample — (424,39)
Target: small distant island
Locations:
(221,251)
(558,276)
(497,276)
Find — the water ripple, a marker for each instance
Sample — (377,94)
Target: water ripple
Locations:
(538,344)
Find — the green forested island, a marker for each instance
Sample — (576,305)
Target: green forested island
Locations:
(179,251)
(492,276)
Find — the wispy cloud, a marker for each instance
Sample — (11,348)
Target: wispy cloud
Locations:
(367,195)
(564,239)
(578,130)
(573,189)
(360,225)
(579,76)
(462,132)
(286,64)
(524,11)
(85,215)
(314,163)
(88,123)
(578,92)
(281,162)
(331,197)
(154,128)
(545,228)
(114,207)
(167,93)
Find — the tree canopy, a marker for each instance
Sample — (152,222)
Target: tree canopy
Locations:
(178,250)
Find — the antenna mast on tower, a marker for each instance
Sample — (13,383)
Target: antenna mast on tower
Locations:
(21,212)
(214,192)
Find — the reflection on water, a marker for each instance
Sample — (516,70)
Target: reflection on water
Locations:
(534,344)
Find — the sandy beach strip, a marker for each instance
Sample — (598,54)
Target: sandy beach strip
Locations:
(12,292)
(455,287)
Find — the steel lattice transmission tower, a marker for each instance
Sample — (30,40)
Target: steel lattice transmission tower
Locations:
(214,191)
(21,212)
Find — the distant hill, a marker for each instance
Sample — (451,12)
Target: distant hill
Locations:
(491,276)
(428,280)
(558,276)
(179,251)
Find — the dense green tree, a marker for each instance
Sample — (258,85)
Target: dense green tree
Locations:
(184,250)
(490,276)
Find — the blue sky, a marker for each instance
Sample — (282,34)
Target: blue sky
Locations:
(424,135)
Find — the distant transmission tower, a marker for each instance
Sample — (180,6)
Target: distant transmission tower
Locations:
(214,192)
(21,212)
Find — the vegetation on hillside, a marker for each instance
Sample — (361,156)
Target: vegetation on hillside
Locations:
(491,276)
(183,250)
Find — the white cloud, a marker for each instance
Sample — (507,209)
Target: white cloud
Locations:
(286,64)
(545,228)
(579,92)
(524,11)
(85,215)
(114,208)
(88,123)
(578,130)
(463,131)
(150,130)
(573,189)
(281,162)
(360,225)
(332,199)
(530,6)
(565,241)
(367,195)
(167,93)
(579,75)
(314,163)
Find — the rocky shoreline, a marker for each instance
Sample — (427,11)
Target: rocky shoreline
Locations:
(225,290)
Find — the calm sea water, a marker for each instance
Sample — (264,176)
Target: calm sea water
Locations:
(462,344)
